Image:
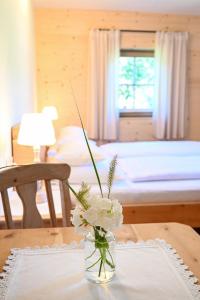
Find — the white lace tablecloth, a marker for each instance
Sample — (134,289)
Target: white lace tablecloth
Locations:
(145,271)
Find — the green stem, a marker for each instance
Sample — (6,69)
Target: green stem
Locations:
(110,264)
(85,206)
(111,259)
(94,264)
(104,270)
(72,190)
(109,190)
(91,254)
(102,245)
(101,262)
(90,152)
(104,260)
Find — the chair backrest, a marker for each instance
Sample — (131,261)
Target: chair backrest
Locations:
(24,179)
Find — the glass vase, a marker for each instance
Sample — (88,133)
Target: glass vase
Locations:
(99,256)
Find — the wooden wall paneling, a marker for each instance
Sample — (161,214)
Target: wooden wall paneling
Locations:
(62,54)
(137,40)
(136,129)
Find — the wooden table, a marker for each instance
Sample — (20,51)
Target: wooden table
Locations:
(182,237)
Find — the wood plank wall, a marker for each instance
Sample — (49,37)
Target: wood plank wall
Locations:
(62,55)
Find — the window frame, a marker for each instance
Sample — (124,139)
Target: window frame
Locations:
(136,53)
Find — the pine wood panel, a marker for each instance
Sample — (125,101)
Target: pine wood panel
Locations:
(136,129)
(62,55)
(181,237)
(137,40)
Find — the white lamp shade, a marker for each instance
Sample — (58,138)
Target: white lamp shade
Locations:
(50,112)
(36,130)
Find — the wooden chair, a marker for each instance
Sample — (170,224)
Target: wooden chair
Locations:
(24,179)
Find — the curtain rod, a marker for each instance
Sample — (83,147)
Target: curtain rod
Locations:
(131,30)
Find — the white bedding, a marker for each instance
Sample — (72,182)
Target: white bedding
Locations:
(144,161)
(167,171)
(127,192)
(177,148)
(87,174)
(151,168)
(140,168)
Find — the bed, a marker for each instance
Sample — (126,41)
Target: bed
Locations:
(155,181)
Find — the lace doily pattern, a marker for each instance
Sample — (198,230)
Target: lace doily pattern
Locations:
(187,276)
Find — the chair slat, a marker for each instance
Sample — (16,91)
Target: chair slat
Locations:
(31,217)
(24,179)
(7,210)
(50,203)
(65,202)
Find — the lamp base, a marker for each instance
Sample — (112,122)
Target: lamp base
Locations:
(36,152)
(41,196)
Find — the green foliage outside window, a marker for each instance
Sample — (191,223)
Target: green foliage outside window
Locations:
(136,83)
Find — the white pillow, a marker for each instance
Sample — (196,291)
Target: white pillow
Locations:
(70,133)
(87,173)
(75,153)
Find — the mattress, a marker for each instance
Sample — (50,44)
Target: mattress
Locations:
(126,192)
(160,168)
(154,148)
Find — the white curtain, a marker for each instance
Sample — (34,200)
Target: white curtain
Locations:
(171,80)
(102,108)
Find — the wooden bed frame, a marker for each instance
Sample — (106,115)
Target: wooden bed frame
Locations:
(182,212)
(146,213)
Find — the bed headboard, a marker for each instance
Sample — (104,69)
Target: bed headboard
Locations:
(23,154)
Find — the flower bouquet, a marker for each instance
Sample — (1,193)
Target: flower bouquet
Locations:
(96,216)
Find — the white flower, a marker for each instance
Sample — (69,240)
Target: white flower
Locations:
(78,221)
(102,212)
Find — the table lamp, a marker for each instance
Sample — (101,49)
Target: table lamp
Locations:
(50,112)
(36,130)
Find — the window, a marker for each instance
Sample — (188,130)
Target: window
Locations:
(136,81)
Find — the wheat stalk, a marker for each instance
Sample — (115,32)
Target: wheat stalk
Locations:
(83,194)
(111,174)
